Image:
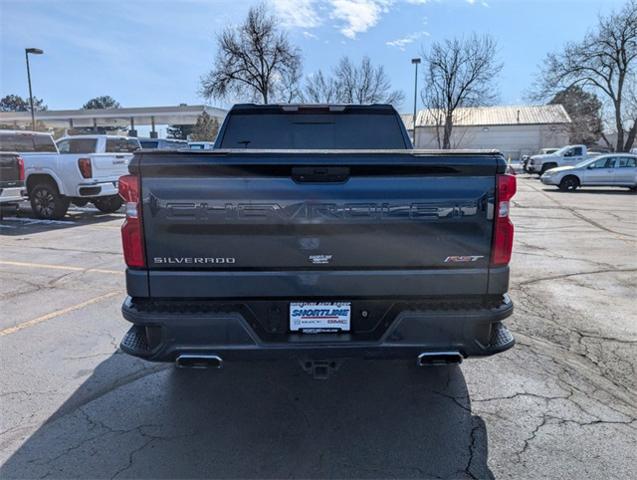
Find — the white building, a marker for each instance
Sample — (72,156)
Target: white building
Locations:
(514,130)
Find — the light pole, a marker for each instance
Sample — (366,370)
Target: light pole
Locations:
(34,51)
(415,61)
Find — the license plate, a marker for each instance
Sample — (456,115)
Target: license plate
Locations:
(320,316)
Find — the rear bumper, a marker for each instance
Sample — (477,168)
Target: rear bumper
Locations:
(98,189)
(12,194)
(162,330)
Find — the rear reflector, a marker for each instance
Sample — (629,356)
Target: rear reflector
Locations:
(503,227)
(132,229)
(85,167)
(21,169)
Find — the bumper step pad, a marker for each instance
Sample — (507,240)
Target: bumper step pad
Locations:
(135,342)
(501,338)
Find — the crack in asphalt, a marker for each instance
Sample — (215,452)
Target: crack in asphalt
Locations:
(577,346)
(546,253)
(472,446)
(576,274)
(131,457)
(92,425)
(50,284)
(553,420)
(563,367)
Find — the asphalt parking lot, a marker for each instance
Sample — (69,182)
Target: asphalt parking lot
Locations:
(561,404)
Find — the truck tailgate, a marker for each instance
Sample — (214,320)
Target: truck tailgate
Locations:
(230,211)
(9,170)
(109,165)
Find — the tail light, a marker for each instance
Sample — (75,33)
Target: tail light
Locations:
(86,169)
(132,229)
(503,227)
(21,169)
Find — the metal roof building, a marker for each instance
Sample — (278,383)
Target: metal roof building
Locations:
(514,130)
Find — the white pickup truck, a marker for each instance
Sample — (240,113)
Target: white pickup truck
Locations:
(78,170)
(565,156)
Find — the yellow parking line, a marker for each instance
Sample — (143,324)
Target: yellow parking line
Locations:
(57,313)
(60,267)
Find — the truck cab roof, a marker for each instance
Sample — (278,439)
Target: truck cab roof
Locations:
(313,107)
(22,132)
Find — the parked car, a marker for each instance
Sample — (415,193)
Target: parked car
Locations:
(11,178)
(565,156)
(163,143)
(543,151)
(91,166)
(615,169)
(201,145)
(316,233)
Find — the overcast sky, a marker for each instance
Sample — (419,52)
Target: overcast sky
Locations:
(153,52)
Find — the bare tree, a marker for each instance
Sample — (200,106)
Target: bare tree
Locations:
(252,59)
(604,61)
(364,83)
(458,73)
(288,87)
(320,89)
(350,83)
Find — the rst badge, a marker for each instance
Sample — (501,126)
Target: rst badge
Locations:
(463,258)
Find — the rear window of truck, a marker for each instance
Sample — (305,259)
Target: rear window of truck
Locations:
(313,131)
(25,142)
(78,145)
(122,145)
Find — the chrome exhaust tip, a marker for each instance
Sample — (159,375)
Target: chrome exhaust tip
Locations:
(191,360)
(437,359)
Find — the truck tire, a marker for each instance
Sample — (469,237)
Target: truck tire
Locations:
(547,166)
(47,203)
(569,183)
(108,204)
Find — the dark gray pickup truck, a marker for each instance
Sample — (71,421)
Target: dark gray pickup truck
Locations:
(316,233)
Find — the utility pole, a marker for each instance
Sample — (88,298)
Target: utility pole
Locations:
(415,61)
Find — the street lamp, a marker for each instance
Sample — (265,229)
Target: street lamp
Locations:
(34,51)
(415,61)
